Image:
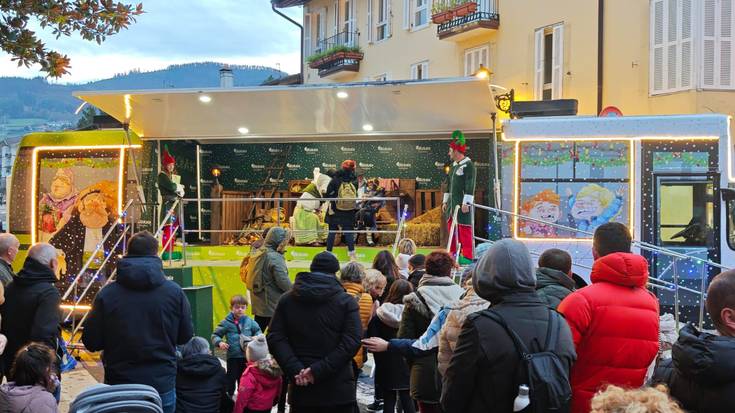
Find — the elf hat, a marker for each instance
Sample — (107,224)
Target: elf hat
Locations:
(167,159)
(458,143)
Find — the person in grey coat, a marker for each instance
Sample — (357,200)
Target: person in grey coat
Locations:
(9,246)
(271,276)
(554,277)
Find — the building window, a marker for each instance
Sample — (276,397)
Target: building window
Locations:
(476,58)
(672,51)
(319,31)
(383,30)
(381,78)
(549,62)
(420,13)
(420,70)
(691,45)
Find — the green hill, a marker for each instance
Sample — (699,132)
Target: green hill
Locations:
(34,104)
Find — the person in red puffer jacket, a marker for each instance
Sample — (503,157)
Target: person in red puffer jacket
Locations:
(614,321)
(260,384)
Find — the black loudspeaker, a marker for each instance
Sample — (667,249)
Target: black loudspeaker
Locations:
(531,108)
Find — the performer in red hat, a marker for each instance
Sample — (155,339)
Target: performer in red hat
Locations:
(169,190)
(461,191)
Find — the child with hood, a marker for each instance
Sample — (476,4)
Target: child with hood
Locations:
(260,384)
(391,370)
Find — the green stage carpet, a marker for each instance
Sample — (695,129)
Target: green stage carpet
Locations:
(219,266)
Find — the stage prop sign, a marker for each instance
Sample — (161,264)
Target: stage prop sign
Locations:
(77,198)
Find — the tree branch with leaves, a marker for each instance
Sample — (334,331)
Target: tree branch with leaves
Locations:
(93,20)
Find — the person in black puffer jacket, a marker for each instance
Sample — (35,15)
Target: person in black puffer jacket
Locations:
(701,372)
(138,321)
(31,309)
(201,381)
(314,334)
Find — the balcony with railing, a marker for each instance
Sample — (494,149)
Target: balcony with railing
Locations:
(336,54)
(466,19)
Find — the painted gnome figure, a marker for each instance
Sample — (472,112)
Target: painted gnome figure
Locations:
(460,191)
(170,190)
(56,205)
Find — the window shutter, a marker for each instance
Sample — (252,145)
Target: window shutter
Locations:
(538,65)
(557,62)
(686,49)
(671,44)
(388,19)
(414,72)
(307,35)
(468,57)
(406,14)
(657,47)
(370,21)
(323,26)
(726,38)
(709,42)
(335,30)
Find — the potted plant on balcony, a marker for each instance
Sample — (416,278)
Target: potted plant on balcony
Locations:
(339,52)
(441,12)
(464,8)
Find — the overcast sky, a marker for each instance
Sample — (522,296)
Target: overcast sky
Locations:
(181,31)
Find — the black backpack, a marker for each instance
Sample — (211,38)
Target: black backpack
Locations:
(544,373)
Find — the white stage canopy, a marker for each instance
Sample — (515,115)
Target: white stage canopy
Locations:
(429,109)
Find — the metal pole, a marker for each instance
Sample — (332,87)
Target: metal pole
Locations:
(676,296)
(701,296)
(472,220)
(278,212)
(183,232)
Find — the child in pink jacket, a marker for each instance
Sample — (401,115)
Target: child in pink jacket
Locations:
(260,384)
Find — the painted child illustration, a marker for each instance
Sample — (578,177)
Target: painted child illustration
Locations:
(55,206)
(544,206)
(593,206)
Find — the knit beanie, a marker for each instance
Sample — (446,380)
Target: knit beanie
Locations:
(257,349)
(325,262)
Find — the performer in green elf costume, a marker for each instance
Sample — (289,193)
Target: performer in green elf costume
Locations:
(170,191)
(460,191)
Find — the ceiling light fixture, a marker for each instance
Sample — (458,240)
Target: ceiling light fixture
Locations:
(205,98)
(243,130)
(367,127)
(342,95)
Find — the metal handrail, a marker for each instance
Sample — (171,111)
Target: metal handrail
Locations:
(97,249)
(343,38)
(166,218)
(399,228)
(452,229)
(86,313)
(96,274)
(290,199)
(639,244)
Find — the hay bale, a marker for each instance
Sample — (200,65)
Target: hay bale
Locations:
(425,235)
(432,216)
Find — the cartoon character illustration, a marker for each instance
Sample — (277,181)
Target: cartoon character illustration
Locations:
(593,206)
(55,205)
(90,220)
(544,206)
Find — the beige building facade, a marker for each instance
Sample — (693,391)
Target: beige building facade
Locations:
(658,56)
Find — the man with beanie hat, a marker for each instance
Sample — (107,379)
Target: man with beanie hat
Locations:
(260,384)
(314,334)
(482,375)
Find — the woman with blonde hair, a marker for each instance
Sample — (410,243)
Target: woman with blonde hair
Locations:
(615,399)
(406,248)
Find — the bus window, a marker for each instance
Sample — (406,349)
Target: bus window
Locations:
(731,223)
